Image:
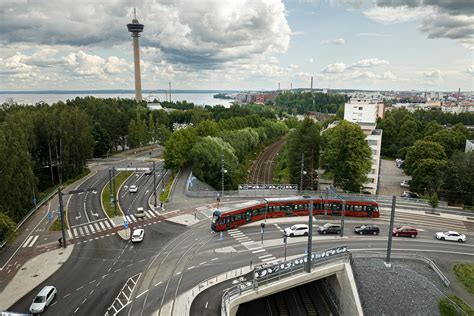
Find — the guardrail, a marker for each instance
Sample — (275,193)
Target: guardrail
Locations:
(285,269)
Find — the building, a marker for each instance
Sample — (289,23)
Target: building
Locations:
(364,110)
(469,145)
(453,108)
(136,28)
(361,109)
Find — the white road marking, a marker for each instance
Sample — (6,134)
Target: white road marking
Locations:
(107,224)
(86,230)
(257,251)
(92,229)
(264,256)
(269,259)
(97,226)
(214,259)
(81,232)
(102,225)
(191,267)
(141,294)
(27,241)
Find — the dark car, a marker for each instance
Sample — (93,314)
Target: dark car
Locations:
(329,229)
(406,231)
(410,195)
(367,229)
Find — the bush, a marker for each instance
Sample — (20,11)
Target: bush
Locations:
(447,307)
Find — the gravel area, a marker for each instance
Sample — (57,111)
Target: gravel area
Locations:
(408,287)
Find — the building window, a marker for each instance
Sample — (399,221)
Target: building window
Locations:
(360,108)
(374,152)
(372,142)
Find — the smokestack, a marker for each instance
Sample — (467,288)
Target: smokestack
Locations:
(311,83)
(278,86)
(459,93)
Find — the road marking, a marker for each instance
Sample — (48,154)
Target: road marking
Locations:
(178,273)
(158,283)
(74,230)
(27,241)
(269,259)
(102,225)
(69,233)
(214,259)
(107,224)
(204,262)
(206,304)
(81,232)
(264,256)
(133,218)
(86,230)
(91,281)
(79,287)
(75,311)
(248,242)
(92,229)
(141,294)
(90,293)
(191,267)
(66,295)
(128,218)
(97,226)
(257,251)
(84,301)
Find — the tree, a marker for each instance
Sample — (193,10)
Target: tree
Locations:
(459,185)
(408,134)
(451,141)
(347,156)
(429,176)
(102,140)
(422,150)
(306,139)
(207,128)
(178,148)
(207,162)
(7,227)
(432,128)
(433,201)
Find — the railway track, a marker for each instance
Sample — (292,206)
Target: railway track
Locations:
(262,168)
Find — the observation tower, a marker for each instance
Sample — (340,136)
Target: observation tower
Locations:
(136,28)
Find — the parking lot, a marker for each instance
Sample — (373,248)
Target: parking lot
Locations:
(390,178)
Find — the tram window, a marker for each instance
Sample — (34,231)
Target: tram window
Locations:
(238,217)
(357,208)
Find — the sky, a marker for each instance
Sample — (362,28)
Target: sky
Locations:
(238,44)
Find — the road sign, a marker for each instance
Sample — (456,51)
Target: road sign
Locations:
(33,200)
(222,236)
(50,216)
(125,223)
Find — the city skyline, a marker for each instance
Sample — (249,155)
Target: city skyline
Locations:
(239,45)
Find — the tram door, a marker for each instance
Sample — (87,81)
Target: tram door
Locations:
(248,216)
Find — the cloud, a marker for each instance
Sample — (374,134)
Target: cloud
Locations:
(388,75)
(369,34)
(335,68)
(337,41)
(202,34)
(83,64)
(432,74)
(452,19)
(371,62)
(311,60)
(470,70)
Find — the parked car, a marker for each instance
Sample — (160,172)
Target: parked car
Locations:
(410,195)
(367,229)
(329,228)
(451,236)
(406,231)
(43,299)
(133,189)
(405,184)
(140,212)
(148,172)
(399,162)
(138,235)
(297,230)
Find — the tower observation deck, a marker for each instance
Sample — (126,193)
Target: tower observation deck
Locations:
(136,28)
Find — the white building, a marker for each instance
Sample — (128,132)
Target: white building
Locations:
(469,145)
(364,110)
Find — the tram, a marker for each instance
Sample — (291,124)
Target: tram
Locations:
(252,211)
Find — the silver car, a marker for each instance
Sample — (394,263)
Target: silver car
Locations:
(43,299)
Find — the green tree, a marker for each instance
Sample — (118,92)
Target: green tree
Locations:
(429,176)
(432,128)
(7,227)
(207,128)
(451,141)
(459,185)
(422,150)
(178,148)
(347,156)
(101,139)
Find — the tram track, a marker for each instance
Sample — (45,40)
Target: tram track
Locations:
(262,169)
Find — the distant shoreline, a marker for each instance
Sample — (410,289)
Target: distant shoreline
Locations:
(113,91)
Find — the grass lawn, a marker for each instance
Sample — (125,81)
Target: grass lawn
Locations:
(465,274)
(446,307)
(109,207)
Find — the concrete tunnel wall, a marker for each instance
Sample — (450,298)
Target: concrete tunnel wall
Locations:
(340,282)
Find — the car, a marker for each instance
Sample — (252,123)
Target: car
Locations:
(140,212)
(405,184)
(43,299)
(148,172)
(297,230)
(410,195)
(133,189)
(399,162)
(329,228)
(367,229)
(406,231)
(138,234)
(451,236)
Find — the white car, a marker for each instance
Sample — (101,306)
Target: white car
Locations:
(297,230)
(405,184)
(148,172)
(451,236)
(43,299)
(138,235)
(133,189)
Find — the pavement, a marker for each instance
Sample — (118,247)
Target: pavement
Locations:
(390,178)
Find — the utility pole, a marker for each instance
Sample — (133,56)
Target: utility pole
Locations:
(115,190)
(61,212)
(302,171)
(342,216)
(111,196)
(222,172)
(389,245)
(310,236)
(154,181)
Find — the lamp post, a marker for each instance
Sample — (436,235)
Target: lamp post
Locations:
(223,171)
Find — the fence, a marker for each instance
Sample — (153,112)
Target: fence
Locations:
(286,269)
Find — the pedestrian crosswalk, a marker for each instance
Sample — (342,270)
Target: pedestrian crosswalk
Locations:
(148,214)
(251,245)
(89,228)
(30,241)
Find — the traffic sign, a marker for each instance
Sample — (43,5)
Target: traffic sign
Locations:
(125,223)
(50,216)
(33,200)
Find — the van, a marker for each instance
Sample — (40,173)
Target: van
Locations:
(140,212)
(43,299)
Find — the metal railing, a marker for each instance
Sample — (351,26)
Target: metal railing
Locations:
(254,284)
